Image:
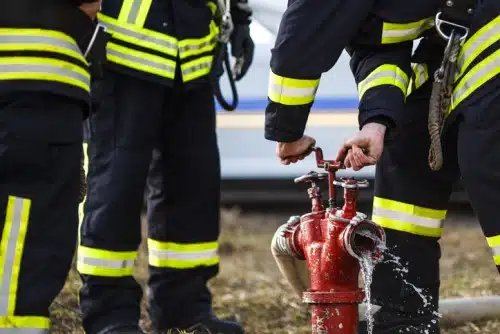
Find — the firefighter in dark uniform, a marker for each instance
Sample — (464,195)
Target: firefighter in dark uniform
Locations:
(157,94)
(44,89)
(410,198)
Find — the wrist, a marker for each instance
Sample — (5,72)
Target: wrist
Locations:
(375,127)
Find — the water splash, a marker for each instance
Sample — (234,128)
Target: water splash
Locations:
(367,266)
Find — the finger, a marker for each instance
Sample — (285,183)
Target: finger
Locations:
(356,152)
(285,161)
(342,153)
(347,160)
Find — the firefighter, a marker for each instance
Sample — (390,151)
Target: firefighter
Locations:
(410,198)
(157,93)
(44,89)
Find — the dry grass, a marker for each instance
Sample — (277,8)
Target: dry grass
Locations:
(249,288)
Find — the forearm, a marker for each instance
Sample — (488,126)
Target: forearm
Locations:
(309,42)
(382,76)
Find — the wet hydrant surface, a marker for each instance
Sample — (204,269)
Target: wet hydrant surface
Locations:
(332,241)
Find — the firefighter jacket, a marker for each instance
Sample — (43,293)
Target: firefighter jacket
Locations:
(377,34)
(155,39)
(41,47)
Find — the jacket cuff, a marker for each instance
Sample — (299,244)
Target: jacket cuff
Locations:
(241,12)
(285,124)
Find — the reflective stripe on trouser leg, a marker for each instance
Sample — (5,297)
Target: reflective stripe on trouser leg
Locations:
(494,243)
(409,218)
(11,251)
(101,262)
(182,256)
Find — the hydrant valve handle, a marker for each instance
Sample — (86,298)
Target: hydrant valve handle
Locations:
(311,177)
(351,183)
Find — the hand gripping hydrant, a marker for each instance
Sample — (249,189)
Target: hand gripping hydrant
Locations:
(332,241)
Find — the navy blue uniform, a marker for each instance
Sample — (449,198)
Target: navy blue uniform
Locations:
(411,199)
(44,94)
(156,96)
(394,86)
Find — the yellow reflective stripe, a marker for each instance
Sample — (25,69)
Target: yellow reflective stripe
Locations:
(36,68)
(212,6)
(196,68)
(494,243)
(480,41)
(11,251)
(401,32)
(39,40)
(141,37)
(24,325)
(194,46)
(101,262)
(475,78)
(141,61)
(182,256)
(384,75)
(290,91)
(419,77)
(142,12)
(408,217)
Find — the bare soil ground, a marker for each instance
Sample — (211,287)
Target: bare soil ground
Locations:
(250,289)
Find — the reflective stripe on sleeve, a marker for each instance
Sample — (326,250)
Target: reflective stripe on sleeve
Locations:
(37,68)
(494,243)
(419,77)
(101,262)
(408,217)
(11,253)
(141,61)
(484,71)
(39,40)
(384,75)
(290,91)
(182,256)
(401,32)
(480,41)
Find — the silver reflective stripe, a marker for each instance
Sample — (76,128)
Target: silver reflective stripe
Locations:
(407,218)
(134,11)
(10,254)
(183,256)
(421,75)
(380,75)
(37,40)
(496,250)
(403,32)
(483,41)
(195,68)
(193,47)
(476,80)
(140,61)
(292,91)
(140,36)
(23,331)
(111,264)
(45,68)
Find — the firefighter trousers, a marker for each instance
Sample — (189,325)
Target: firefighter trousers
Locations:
(411,200)
(135,118)
(40,149)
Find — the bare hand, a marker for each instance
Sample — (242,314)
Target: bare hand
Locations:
(91,8)
(292,152)
(364,148)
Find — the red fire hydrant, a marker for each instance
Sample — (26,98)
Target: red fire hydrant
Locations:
(332,241)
